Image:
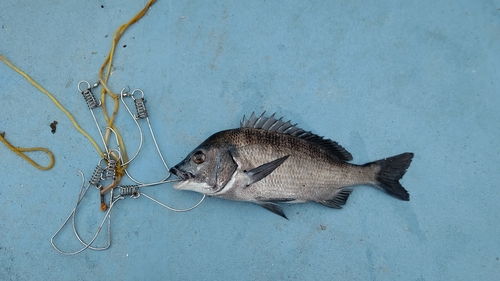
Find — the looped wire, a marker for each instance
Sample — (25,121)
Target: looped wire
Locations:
(88,95)
(86,245)
(97,175)
(113,158)
(110,172)
(132,190)
(140,105)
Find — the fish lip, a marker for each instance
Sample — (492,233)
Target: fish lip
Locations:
(181,174)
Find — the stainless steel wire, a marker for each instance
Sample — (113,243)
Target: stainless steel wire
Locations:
(88,95)
(109,172)
(135,117)
(86,245)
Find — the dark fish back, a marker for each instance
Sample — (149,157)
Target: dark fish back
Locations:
(272,124)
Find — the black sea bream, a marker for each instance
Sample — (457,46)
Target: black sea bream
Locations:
(268,161)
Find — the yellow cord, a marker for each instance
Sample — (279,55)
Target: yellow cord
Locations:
(103,78)
(19,151)
(71,118)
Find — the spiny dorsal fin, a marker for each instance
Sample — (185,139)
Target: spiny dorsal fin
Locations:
(279,126)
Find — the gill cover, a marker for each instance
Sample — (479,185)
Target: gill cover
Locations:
(224,169)
(206,170)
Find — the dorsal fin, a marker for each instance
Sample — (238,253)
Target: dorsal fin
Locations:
(279,126)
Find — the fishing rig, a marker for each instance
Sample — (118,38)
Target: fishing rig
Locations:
(112,166)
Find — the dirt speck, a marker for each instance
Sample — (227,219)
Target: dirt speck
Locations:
(53,127)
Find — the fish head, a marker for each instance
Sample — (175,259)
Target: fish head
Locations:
(207,169)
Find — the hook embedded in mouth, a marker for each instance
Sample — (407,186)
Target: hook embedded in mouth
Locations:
(181,174)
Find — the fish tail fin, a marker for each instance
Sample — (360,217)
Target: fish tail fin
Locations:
(392,169)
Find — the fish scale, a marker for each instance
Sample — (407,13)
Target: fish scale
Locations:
(267,160)
(323,176)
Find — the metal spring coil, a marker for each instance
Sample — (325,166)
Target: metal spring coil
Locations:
(90,99)
(111,169)
(96,176)
(132,190)
(140,105)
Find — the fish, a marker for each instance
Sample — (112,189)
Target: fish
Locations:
(268,161)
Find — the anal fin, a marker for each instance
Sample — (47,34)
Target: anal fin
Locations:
(273,208)
(338,200)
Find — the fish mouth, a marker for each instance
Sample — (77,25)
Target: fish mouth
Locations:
(181,174)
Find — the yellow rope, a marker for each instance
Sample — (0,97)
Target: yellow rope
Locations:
(19,151)
(103,78)
(116,37)
(71,118)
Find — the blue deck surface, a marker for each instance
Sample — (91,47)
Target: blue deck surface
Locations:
(379,77)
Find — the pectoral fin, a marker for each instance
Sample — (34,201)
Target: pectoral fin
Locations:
(264,170)
(273,208)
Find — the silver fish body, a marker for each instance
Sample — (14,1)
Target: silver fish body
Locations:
(267,161)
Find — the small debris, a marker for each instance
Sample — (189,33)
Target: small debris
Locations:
(53,126)
(124,46)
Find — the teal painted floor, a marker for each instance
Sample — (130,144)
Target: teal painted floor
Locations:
(379,77)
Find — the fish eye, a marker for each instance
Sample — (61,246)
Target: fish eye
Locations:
(198,157)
